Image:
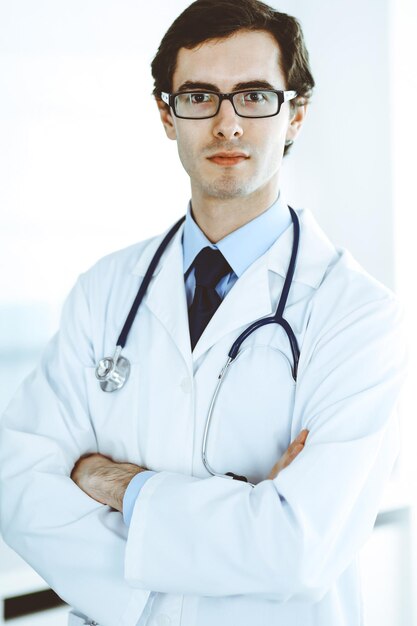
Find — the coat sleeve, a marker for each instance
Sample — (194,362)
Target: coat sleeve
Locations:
(291,537)
(76,544)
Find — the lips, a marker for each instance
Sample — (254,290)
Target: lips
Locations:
(228,155)
(228,158)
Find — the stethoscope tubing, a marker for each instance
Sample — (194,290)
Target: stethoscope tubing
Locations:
(145,283)
(277,318)
(107,369)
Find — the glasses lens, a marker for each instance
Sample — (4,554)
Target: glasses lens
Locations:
(196,105)
(256,103)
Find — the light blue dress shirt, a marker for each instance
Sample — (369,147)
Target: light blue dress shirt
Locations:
(240,249)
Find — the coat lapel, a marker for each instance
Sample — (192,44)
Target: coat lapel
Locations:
(249,299)
(165,297)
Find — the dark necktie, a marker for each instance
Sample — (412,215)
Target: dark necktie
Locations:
(210,266)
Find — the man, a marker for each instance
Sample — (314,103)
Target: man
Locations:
(107,494)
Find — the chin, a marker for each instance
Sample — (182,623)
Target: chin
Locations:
(228,189)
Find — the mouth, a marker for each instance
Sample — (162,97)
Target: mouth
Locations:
(228,158)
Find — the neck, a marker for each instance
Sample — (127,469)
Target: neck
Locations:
(217,218)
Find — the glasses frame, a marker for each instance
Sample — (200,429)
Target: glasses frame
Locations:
(283,96)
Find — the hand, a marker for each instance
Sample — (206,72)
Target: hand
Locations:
(289,455)
(103,479)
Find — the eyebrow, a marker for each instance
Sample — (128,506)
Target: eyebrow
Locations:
(250,84)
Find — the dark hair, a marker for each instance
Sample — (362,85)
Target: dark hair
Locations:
(216,19)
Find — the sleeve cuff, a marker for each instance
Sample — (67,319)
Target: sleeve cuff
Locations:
(132,493)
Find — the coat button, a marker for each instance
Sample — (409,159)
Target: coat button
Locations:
(186,385)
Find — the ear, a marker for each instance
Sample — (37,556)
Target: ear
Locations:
(297,116)
(166,119)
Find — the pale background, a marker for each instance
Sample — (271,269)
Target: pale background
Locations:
(86,169)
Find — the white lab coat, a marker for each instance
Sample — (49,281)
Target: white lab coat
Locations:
(216,551)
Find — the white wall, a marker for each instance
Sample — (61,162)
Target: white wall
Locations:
(88,169)
(342,166)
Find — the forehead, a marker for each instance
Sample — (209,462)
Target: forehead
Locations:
(244,56)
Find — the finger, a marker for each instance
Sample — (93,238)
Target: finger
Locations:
(274,471)
(302,436)
(299,440)
(287,458)
(293,450)
(295,446)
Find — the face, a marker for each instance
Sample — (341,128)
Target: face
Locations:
(245,58)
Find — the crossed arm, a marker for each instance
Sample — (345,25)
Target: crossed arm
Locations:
(106,481)
(307,524)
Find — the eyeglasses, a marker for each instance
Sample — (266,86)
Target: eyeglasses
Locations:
(200,105)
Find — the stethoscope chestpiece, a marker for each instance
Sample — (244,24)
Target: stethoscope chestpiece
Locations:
(113,372)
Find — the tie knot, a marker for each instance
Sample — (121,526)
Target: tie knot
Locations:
(210,266)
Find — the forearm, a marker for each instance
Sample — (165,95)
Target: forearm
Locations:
(283,539)
(106,481)
(103,479)
(71,540)
(68,538)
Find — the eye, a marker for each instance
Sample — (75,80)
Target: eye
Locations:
(255,96)
(199,98)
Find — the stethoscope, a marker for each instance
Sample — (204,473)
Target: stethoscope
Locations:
(113,372)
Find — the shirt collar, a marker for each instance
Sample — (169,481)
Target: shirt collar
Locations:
(316,255)
(243,246)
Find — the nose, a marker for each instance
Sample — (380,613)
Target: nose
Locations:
(226,123)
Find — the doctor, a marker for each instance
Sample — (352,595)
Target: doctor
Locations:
(106,494)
